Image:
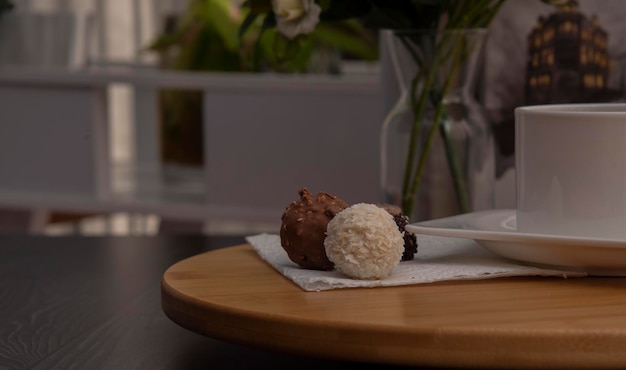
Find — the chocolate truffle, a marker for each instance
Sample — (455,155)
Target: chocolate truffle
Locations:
(410,239)
(363,241)
(303,228)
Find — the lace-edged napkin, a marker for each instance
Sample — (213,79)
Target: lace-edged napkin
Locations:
(437,259)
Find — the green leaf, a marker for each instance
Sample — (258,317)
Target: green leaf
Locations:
(301,61)
(217,13)
(283,55)
(286,49)
(181,31)
(269,21)
(247,22)
(163,42)
(349,37)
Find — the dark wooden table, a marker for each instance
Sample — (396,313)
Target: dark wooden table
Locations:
(94,303)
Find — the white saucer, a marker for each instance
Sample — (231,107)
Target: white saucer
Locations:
(496,231)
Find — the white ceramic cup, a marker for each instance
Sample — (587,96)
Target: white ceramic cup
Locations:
(571,170)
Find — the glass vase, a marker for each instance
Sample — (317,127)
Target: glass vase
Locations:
(437,154)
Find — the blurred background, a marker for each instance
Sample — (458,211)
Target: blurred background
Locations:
(149,85)
(136,117)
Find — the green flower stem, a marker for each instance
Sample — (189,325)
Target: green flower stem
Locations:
(413,180)
(408,200)
(460,188)
(418,113)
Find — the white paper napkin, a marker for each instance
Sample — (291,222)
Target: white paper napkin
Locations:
(437,259)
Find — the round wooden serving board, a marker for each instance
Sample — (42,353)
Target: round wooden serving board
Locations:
(233,295)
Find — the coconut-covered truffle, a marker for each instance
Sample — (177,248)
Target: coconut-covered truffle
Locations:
(363,241)
(410,239)
(303,228)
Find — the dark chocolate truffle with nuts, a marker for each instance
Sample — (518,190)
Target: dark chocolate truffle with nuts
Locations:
(410,239)
(303,228)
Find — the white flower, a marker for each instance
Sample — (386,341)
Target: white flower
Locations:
(295,17)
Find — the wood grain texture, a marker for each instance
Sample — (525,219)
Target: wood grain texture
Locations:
(95,303)
(231,294)
(55,293)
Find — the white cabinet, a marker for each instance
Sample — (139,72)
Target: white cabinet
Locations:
(265,137)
